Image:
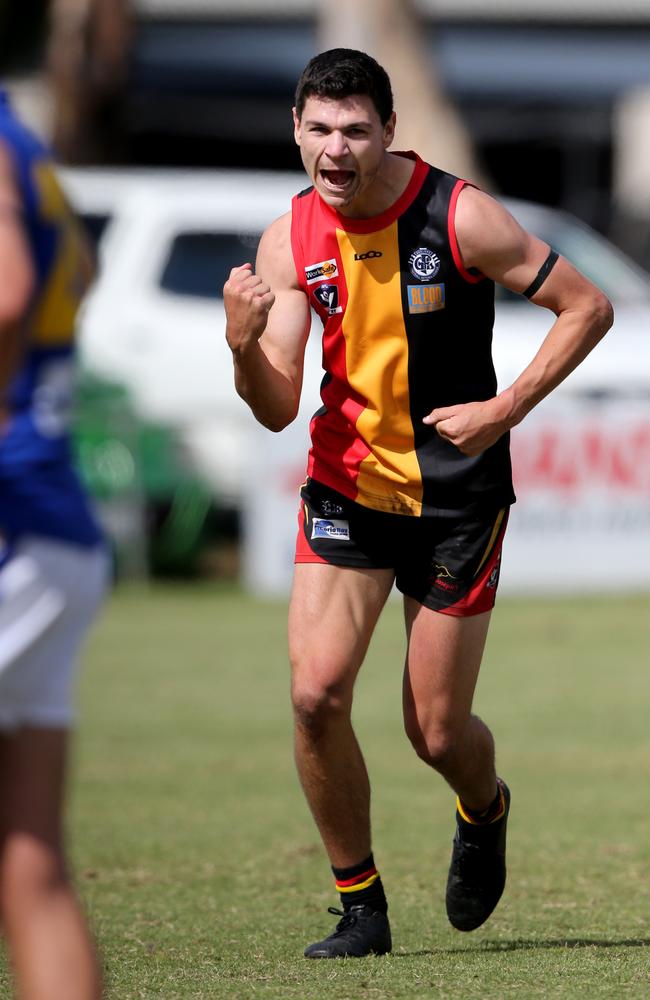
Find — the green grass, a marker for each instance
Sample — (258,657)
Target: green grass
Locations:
(200,866)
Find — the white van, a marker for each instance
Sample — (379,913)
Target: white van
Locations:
(155,321)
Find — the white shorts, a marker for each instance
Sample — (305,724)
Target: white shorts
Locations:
(50,593)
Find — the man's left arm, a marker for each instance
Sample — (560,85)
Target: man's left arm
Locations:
(491,240)
(16,274)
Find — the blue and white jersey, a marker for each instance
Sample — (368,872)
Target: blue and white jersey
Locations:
(40,493)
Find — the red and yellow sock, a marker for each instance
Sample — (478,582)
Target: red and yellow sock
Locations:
(361,885)
(494,811)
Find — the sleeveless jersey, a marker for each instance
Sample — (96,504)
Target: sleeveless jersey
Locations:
(406,328)
(40,493)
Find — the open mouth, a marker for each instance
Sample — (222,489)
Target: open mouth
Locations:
(337,180)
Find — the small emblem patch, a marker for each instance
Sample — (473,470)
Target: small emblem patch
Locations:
(426,298)
(494,575)
(443,578)
(442,570)
(330,508)
(324,269)
(326,528)
(424,264)
(328,297)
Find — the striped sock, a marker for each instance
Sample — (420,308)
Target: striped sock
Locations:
(361,885)
(494,811)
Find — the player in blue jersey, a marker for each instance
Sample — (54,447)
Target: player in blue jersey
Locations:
(53,568)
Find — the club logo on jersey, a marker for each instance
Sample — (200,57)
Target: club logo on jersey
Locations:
(425,298)
(324,269)
(328,297)
(325,528)
(368,255)
(424,264)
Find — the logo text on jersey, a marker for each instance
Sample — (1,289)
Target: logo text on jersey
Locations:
(426,298)
(424,264)
(328,297)
(323,269)
(326,528)
(368,255)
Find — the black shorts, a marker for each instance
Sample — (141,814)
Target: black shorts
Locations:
(446,564)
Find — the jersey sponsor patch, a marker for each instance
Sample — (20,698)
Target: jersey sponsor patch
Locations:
(325,528)
(426,298)
(328,297)
(424,264)
(325,269)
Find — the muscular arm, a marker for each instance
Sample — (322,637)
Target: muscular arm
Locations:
(492,241)
(16,272)
(267,328)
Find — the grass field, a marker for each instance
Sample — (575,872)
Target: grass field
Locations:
(202,871)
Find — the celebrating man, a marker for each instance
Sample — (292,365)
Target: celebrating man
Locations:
(409,478)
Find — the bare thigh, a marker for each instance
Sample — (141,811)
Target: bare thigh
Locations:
(332,615)
(50,947)
(442,665)
(32,774)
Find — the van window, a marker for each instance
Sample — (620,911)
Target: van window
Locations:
(198,263)
(597,258)
(95,223)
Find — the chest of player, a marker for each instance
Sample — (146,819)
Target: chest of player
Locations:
(388,277)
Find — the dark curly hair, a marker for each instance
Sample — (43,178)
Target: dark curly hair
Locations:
(340,73)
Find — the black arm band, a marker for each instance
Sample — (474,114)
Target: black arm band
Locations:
(542,275)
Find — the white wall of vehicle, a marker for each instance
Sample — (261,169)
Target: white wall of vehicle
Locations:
(169,350)
(582,517)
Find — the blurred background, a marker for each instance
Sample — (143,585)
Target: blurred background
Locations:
(171,122)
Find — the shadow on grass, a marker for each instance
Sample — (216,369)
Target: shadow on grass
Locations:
(523,944)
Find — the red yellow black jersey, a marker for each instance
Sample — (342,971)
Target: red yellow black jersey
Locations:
(406,328)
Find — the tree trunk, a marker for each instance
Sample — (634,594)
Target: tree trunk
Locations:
(88,53)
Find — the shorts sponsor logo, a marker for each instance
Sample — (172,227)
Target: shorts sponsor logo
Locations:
(368,255)
(426,298)
(328,297)
(443,578)
(424,264)
(493,579)
(329,508)
(325,528)
(324,269)
(441,570)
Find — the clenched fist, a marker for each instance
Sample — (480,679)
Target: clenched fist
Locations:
(247,301)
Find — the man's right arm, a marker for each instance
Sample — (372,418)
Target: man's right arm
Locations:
(268,323)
